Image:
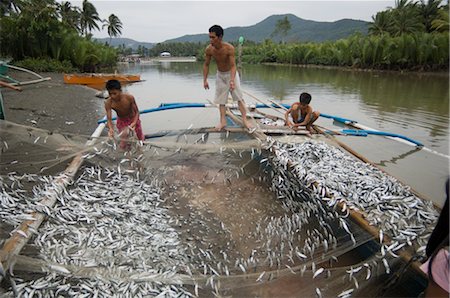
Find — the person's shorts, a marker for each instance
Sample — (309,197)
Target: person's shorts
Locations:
(122,123)
(223,87)
(313,117)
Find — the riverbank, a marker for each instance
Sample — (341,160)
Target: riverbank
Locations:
(53,105)
(442,73)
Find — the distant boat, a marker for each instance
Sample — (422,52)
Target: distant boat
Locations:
(98,78)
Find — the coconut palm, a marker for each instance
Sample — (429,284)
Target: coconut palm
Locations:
(89,18)
(429,11)
(71,16)
(406,18)
(281,28)
(382,23)
(114,26)
(8,7)
(441,23)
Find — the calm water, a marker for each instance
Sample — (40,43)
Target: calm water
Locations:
(414,105)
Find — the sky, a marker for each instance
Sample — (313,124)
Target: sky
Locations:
(157,21)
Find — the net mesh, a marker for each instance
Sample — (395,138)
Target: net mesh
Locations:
(202,215)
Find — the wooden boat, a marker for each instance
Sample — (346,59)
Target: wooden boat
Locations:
(99,78)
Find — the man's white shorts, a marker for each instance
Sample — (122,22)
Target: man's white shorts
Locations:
(223,87)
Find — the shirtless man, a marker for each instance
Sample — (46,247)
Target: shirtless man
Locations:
(127,113)
(227,78)
(302,113)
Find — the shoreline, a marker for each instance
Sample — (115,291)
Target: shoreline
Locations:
(53,105)
(442,73)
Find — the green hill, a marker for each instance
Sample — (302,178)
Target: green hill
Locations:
(301,30)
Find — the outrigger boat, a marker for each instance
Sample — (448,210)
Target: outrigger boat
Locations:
(389,242)
(13,82)
(98,78)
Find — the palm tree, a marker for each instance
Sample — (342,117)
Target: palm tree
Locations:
(406,18)
(382,23)
(70,15)
(10,6)
(89,17)
(429,12)
(282,27)
(114,26)
(441,23)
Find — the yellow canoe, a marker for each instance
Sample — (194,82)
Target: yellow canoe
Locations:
(98,78)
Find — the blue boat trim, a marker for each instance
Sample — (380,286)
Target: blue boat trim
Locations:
(380,133)
(354,132)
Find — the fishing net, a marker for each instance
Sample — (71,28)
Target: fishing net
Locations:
(203,214)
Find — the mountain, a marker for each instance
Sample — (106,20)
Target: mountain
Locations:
(129,43)
(301,30)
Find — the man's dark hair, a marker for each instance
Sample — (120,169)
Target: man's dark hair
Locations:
(305,98)
(216,29)
(113,85)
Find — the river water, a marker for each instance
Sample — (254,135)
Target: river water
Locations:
(409,104)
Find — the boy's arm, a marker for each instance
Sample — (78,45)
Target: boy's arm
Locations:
(286,117)
(135,112)
(109,118)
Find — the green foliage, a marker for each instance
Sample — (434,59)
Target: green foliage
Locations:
(419,51)
(409,17)
(45,65)
(43,31)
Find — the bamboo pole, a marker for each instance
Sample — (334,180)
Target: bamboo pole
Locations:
(24,70)
(7,85)
(20,237)
(31,82)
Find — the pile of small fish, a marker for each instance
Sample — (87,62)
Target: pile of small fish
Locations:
(339,178)
(117,218)
(343,183)
(109,221)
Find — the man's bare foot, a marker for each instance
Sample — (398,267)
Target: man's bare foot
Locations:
(220,127)
(310,129)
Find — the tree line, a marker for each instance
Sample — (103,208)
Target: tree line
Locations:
(44,32)
(411,35)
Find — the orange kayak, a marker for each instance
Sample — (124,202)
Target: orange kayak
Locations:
(98,78)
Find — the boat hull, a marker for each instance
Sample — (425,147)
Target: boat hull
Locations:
(97,79)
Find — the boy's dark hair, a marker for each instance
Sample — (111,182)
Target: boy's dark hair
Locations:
(305,98)
(216,29)
(113,85)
